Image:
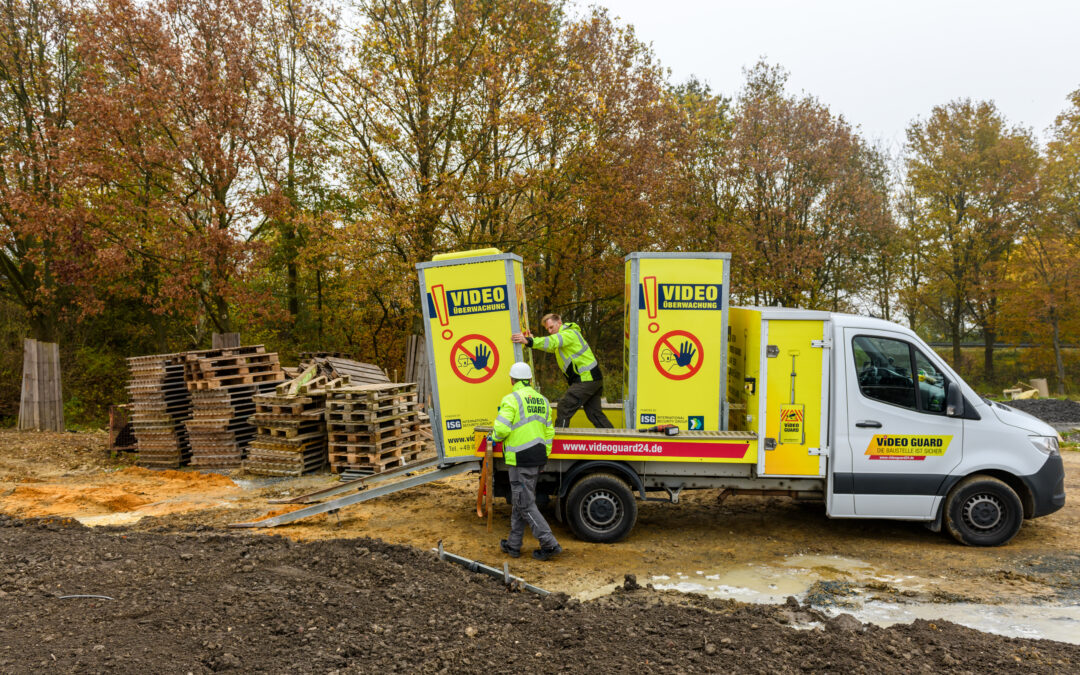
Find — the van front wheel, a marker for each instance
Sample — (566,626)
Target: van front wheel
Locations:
(983,511)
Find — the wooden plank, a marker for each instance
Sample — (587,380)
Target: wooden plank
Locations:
(45,387)
(59,392)
(28,406)
(224,340)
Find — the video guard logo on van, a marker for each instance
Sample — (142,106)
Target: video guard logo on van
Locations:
(909,447)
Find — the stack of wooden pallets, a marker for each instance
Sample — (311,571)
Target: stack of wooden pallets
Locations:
(291,428)
(160,405)
(373,427)
(219,428)
(223,383)
(218,368)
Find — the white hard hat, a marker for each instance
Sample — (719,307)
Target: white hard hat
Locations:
(521,371)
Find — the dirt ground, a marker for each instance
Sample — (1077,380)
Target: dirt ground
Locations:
(87,600)
(69,475)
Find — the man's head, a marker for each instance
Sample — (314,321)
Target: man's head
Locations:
(520,372)
(552,322)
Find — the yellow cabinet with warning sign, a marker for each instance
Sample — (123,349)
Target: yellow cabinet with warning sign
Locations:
(675,340)
(473,302)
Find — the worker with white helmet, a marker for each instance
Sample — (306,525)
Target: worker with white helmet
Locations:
(525,429)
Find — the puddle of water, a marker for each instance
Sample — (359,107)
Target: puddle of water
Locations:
(794,575)
(1023,621)
(255,483)
(769,584)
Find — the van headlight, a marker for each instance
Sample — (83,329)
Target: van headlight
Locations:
(1045,444)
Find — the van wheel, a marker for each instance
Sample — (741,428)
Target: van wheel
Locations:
(601,508)
(983,511)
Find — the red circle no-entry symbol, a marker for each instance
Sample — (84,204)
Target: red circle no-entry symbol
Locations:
(678,355)
(474,358)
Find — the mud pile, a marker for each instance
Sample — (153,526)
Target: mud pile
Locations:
(204,602)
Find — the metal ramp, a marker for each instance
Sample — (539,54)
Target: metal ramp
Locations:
(364,493)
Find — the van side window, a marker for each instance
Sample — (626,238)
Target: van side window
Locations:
(884,369)
(931,385)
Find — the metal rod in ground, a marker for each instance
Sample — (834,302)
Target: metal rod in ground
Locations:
(502,574)
(373,493)
(358,484)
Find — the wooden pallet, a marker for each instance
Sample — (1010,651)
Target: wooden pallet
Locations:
(159,406)
(290,429)
(219,430)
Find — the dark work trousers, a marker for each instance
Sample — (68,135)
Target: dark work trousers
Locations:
(583,395)
(523,496)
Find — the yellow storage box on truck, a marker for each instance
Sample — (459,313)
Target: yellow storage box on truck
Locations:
(857,412)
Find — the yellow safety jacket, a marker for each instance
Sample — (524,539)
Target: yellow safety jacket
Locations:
(524,426)
(575,358)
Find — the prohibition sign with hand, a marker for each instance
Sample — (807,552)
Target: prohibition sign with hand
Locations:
(482,358)
(684,352)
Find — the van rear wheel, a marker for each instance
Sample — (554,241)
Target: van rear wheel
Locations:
(983,511)
(601,508)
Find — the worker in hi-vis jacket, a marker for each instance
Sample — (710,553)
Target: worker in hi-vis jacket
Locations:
(524,427)
(577,362)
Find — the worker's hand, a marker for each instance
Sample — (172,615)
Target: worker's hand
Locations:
(480,360)
(518,338)
(685,355)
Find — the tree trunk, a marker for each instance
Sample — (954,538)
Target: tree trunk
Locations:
(1057,356)
(318,305)
(954,328)
(989,337)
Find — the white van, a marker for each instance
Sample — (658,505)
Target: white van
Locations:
(855,411)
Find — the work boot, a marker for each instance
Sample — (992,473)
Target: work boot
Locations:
(507,550)
(547,553)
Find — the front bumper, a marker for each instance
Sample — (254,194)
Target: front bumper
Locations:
(1047,486)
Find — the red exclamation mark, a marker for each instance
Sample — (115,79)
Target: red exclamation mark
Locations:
(650,296)
(438,296)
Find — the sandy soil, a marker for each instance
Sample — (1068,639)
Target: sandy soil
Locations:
(71,475)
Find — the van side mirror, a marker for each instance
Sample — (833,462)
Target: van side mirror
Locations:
(954,400)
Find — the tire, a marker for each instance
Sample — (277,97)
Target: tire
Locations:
(600,508)
(983,511)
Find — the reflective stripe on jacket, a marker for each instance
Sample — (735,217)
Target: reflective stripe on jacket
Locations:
(575,358)
(524,426)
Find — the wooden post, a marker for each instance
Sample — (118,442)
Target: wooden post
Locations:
(41,404)
(489,458)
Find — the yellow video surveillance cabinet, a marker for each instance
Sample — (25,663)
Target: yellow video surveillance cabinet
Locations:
(473,302)
(675,340)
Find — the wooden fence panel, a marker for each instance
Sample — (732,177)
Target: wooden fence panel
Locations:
(41,404)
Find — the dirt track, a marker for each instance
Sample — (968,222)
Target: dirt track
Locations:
(68,475)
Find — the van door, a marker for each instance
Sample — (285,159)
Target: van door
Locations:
(793,420)
(902,444)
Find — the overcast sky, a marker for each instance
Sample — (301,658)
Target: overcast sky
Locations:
(879,64)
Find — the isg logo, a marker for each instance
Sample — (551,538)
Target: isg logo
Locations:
(453,425)
(648,419)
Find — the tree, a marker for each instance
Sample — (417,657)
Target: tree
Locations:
(973,181)
(1046,270)
(810,198)
(47,260)
(177,99)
